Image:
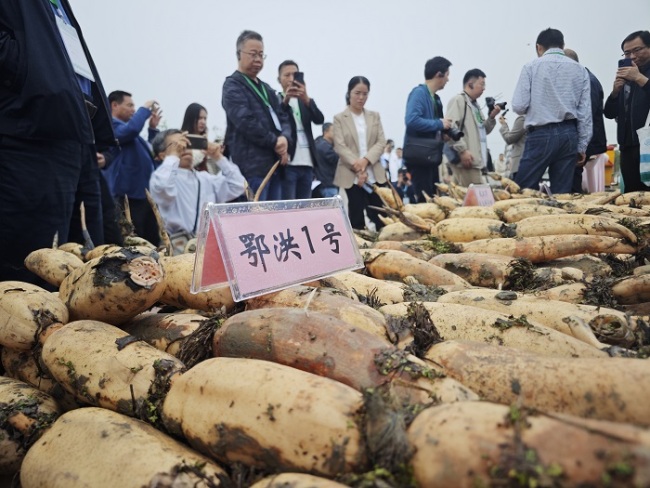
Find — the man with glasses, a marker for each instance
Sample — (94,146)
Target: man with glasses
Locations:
(629,104)
(465,113)
(258,131)
(553,92)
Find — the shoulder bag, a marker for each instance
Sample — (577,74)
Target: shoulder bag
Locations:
(424,150)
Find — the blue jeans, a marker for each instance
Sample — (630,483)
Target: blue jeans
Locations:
(327,191)
(272,190)
(297,182)
(552,146)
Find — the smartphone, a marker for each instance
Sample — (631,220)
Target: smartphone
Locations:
(624,63)
(299,76)
(197,142)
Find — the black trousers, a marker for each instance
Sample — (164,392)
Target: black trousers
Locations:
(358,201)
(631,169)
(88,192)
(424,178)
(38,184)
(143,219)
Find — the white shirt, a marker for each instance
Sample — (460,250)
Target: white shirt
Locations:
(360,124)
(302,157)
(174,189)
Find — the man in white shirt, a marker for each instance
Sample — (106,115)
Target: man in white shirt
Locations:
(180,191)
(553,92)
(302,111)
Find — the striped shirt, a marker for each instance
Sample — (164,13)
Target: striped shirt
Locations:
(554,88)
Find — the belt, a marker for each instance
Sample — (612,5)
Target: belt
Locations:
(533,128)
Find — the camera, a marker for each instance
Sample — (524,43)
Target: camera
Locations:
(490,102)
(454,133)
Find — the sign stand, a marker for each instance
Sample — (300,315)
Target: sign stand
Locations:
(260,247)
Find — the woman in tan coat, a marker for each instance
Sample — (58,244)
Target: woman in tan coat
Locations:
(359,141)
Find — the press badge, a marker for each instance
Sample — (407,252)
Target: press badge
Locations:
(75,49)
(276,121)
(302,139)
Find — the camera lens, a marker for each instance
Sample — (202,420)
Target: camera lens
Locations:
(454,133)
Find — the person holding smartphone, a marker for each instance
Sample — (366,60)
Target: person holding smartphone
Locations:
(629,104)
(302,111)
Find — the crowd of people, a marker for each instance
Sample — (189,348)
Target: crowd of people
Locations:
(60,129)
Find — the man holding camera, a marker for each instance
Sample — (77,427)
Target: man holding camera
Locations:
(553,92)
(301,112)
(629,104)
(128,173)
(180,191)
(467,116)
(424,118)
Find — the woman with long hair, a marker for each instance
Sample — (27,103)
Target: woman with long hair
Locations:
(359,141)
(195,122)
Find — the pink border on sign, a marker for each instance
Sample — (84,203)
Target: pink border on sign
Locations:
(274,249)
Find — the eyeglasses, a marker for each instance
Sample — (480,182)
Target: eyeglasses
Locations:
(255,55)
(635,51)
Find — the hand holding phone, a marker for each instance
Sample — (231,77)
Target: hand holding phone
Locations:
(299,77)
(197,142)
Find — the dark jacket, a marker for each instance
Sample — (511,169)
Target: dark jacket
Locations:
(326,161)
(420,118)
(308,115)
(628,121)
(132,163)
(40,97)
(598,142)
(250,132)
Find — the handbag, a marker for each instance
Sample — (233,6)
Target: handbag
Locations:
(179,240)
(448,150)
(423,150)
(644,150)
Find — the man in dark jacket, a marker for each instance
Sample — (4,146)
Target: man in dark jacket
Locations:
(598,143)
(302,111)
(53,111)
(326,162)
(258,131)
(629,104)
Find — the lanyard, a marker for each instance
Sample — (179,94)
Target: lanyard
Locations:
(55,3)
(262,94)
(435,106)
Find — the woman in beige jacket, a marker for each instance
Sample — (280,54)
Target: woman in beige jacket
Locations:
(359,141)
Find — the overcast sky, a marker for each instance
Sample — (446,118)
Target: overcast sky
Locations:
(181,52)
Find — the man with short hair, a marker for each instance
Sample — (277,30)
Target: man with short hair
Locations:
(553,92)
(467,116)
(424,118)
(326,162)
(128,173)
(598,143)
(180,191)
(301,111)
(629,104)
(258,131)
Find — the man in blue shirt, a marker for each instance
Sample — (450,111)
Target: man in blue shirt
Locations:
(129,172)
(553,92)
